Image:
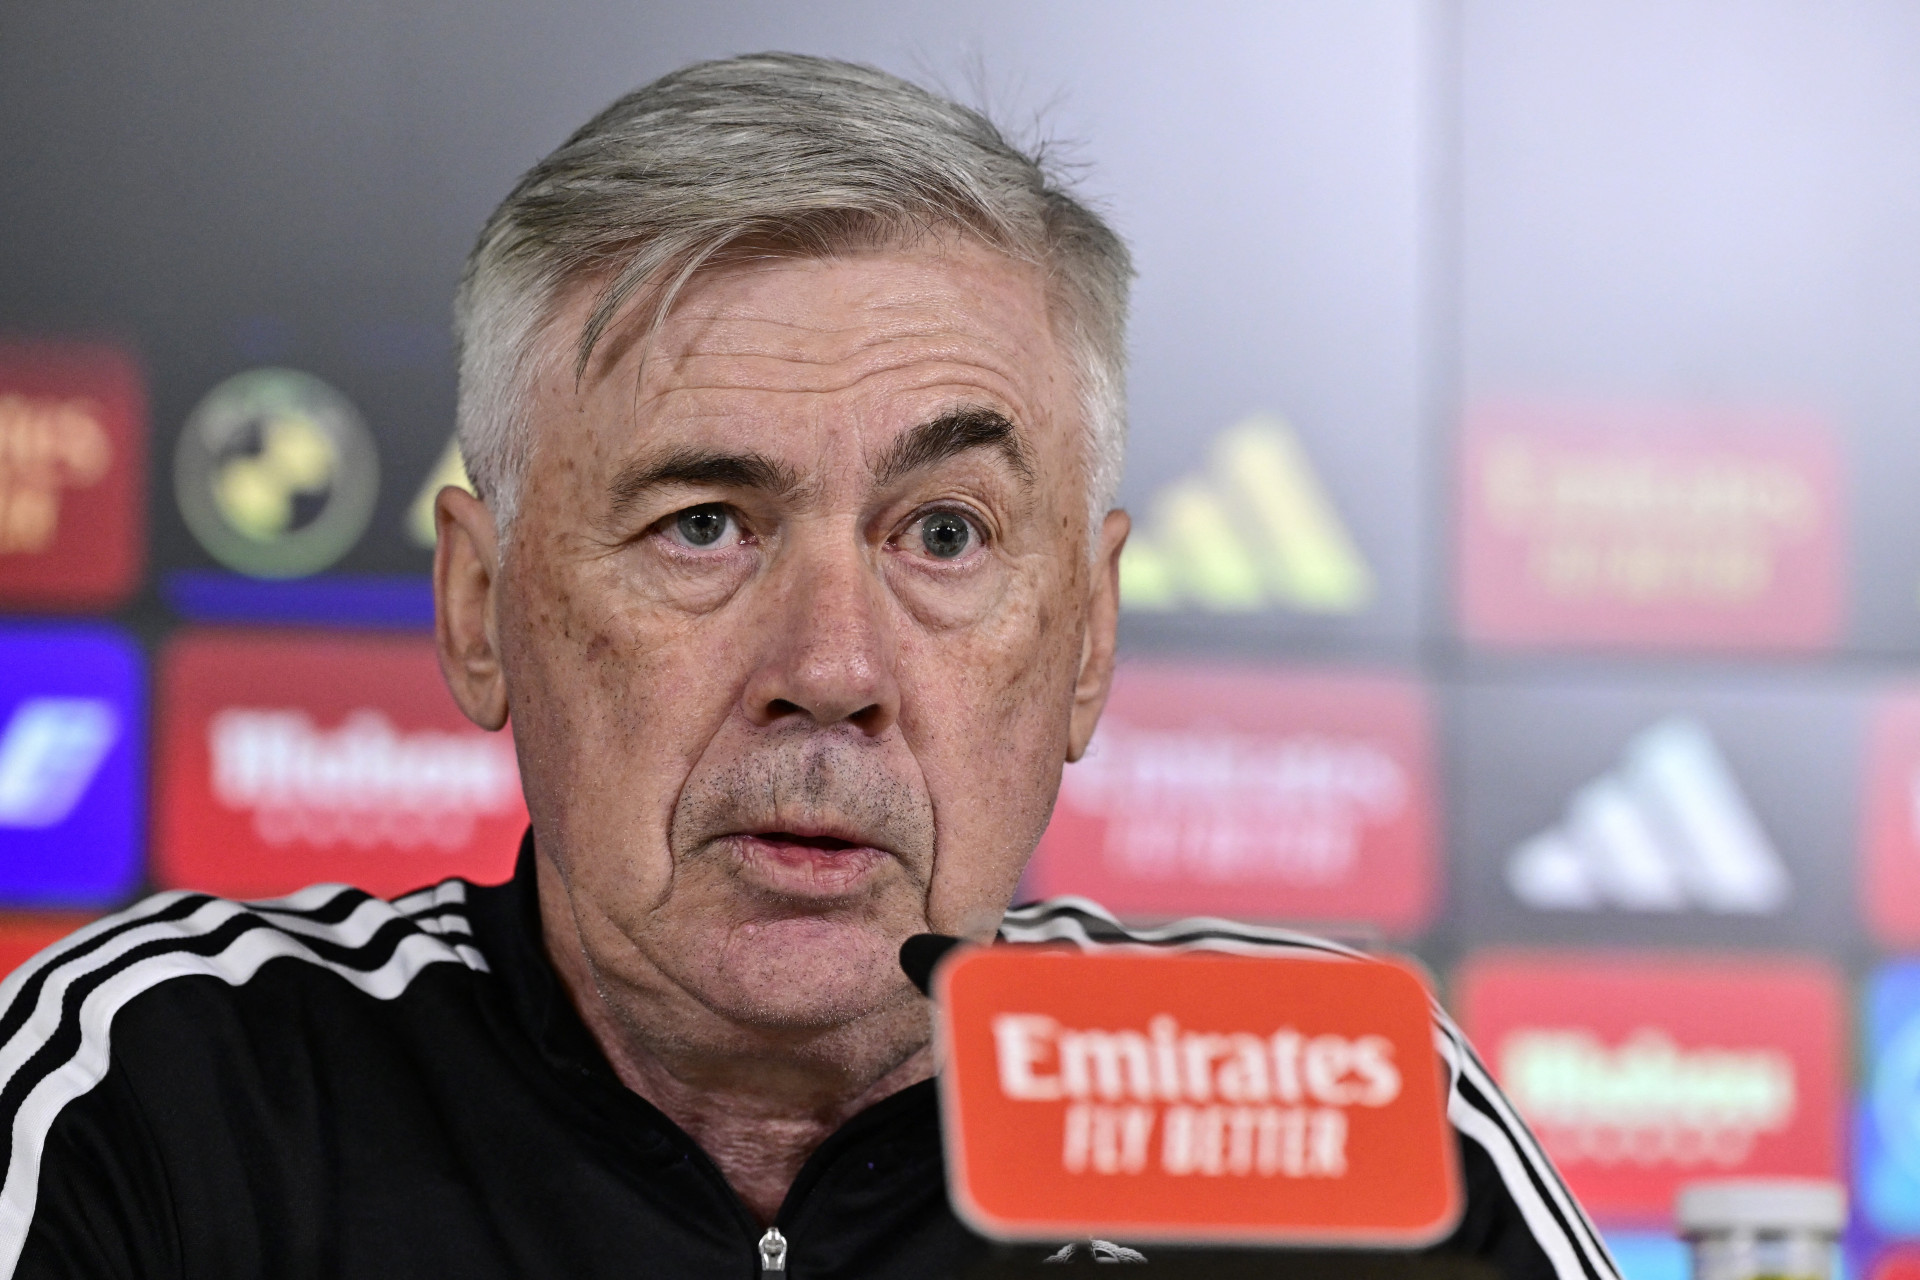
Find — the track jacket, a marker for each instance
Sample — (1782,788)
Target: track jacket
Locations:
(332,1085)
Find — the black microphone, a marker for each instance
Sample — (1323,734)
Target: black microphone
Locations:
(920,953)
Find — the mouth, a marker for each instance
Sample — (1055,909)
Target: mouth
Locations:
(808,864)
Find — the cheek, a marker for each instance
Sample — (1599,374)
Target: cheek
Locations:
(988,711)
(942,601)
(612,705)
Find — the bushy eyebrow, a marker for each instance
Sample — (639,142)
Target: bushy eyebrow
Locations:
(703,467)
(951,434)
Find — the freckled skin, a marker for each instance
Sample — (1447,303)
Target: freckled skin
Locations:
(817,670)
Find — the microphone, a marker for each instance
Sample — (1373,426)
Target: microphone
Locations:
(920,953)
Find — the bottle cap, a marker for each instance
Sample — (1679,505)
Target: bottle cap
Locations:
(1762,1204)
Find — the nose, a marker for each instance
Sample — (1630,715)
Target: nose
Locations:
(828,653)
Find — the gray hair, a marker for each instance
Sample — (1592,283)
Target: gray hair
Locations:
(773,153)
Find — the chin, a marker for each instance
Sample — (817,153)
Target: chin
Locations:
(808,973)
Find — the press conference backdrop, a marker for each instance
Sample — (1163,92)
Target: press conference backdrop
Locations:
(1526,568)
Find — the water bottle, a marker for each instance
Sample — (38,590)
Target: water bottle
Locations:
(1763,1228)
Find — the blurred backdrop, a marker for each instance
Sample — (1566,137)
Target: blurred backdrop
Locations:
(1526,568)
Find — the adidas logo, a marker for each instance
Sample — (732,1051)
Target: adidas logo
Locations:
(450,469)
(49,754)
(1667,830)
(1255,531)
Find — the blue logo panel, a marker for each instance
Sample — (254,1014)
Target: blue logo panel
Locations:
(1647,1255)
(72,741)
(1887,1122)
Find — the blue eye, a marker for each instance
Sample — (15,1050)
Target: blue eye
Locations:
(946,535)
(703,526)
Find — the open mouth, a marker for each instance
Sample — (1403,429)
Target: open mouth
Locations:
(825,844)
(808,865)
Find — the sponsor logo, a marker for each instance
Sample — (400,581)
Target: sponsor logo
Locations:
(363,784)
(1668,830)
(1593,526)
(451,469)
(1887,1143)
(70,746)
(71,489)
(291,761)
(1178,1096)
(1890,861)
(1641,1073)
(1228,807)
(276,474)
(1277,1101)
(1647,1101)
(51,750)
(46,446)
(1255,531)
(1253,794)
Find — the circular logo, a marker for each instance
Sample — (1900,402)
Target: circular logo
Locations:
(276,474)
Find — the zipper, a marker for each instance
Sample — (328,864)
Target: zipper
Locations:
(773,1253)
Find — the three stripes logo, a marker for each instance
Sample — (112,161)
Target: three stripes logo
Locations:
(1667,830)
(49,754)
(449,469)
(1255,531)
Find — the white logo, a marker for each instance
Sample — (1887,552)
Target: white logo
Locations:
(1213,805)
(363,784)
(51,751)
(1666,830)
(1273,1107)
(1647,1101)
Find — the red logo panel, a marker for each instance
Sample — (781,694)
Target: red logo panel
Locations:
(1251,794)
(24,937)
(1649,528)
(1192,1097)
(287,760)
(72,475)
(1640,1073)
(1890,863)
(1903,1264)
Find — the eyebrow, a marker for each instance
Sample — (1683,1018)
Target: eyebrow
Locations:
(705,467)
(951,434)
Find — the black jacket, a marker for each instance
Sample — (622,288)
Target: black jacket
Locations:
(336,1086)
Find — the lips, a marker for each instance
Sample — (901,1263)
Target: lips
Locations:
(807,864)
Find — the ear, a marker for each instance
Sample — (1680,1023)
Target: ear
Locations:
(466,577)
(1101,636)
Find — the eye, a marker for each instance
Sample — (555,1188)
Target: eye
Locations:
(944,535)
(703,527)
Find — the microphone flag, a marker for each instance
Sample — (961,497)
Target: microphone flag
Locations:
(1193,1098)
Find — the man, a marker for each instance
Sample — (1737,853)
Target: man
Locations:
(792,395)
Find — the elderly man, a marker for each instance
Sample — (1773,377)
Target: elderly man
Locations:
(793,397)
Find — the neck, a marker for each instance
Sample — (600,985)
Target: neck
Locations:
(759,1101)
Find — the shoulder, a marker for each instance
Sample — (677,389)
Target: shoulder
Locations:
(68,1016)
(1086,923)
(374,945)
(1519,1211)
(57,1011)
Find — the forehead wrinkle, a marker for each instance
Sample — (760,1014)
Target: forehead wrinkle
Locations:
(776,368)
(930,338)
(965,378)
